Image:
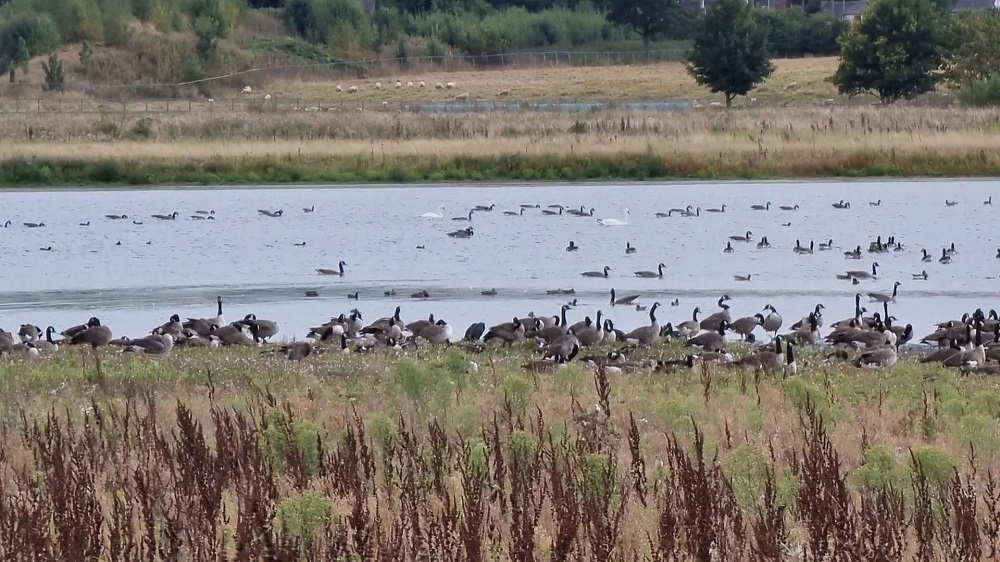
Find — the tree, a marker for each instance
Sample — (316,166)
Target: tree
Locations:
(729,50)
(651,19)
(23,36)
(896,51)
(977,55)
(55,79)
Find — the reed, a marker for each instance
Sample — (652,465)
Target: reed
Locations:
(234,455)
(400,147)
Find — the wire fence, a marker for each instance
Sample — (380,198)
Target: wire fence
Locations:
(343,70)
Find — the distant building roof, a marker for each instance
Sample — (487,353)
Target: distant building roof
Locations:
(845,9)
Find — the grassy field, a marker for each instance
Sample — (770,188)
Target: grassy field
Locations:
(234,455)
(384,146)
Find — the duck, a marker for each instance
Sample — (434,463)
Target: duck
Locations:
(339,272)
(572,247)
(170,217)
(603,273)
(629,248)
(650,274)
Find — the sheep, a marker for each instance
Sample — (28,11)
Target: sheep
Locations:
(385,105)
(267,97)
(409,84)
(378,85)
(791,85)
(398,84)
(828,101)
(352,89)
(247,90)
(339,89)
(439,86)
(449,85)
(422,84)
(462,96)
(715,104)
(504,92)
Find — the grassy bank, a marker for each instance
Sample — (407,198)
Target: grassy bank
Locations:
(407,147)
(234,455)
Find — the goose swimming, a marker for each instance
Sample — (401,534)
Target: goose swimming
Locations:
(651,274)
(339,272)
(603,273)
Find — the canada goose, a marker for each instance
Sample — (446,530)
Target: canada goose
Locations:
(46,249)
(687,212)
(507,333)
(572,247)
(903,333)
(807,333)
(742,277)
(950,203)
(674,366)
(651,274)
(430,215)
(675,302)
(989,200)
(85,223)
(466,233)
(898,247)
(437,333)
(729,248)
(712,321)
(614,222)
(489,293)
(854,254)
(233,334)
(882,297)
(93,334)
(629,248)
(773,321)
(300,243)
(582,212)
(421,295)
(692,326)
(484,207)
(817,312)
(720,210)
(711,341)
(464,218)
(154,344)
(528,206)
(202,217)
(768,359)
(951,250)
(763,244)
(623,300)
(203,326)
(474,332)
(29,332)
(170,217)
(865,274)
(824,246)
(803,249)
(354,296)
(586,322)
(137,222)
(272,214)
(549,212)
(761,207)
(312,293)
(514,213)
(842,205)
(927,257)
(212,212)
(562,349)
(646,335)
(884,357)
(945,258)
(34,224)
(789,208)
(297,351)
(6,224)
(744,326)
(747,238)
(338,272)
(48,345)
(551,329)
(597,273)
(265,328)
(540,366)
(172,326)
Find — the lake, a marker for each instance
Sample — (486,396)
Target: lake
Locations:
(179,266)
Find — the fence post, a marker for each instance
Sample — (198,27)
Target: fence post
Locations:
(189,106)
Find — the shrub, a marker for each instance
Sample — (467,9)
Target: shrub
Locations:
(981,93)
(55,80)
(302,514)
(23,36)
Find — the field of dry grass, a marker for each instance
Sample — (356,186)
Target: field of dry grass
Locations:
(230,455)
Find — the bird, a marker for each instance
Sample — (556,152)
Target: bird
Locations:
(614,222)
(761,207)
(945,258)
(742,277)
(729,248)
(34,224)
(430,215)
(572,247)
(94,334)
(603,273)
(651,274)
(623,300)
(747,238)
(116,217)
(309,209)
(922,276)
(489,293)
(339,272)
(989,200)
(170,217)
(629,248)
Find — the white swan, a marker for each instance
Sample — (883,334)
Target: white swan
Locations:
(614,222)
(434,215)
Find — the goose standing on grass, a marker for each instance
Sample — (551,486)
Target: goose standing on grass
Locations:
(746,325)
(881,358)
(297,351)
(646,335)
(597,273)
(650,274)
(807,333)
(614,222)
(761,207)
(48,345)
(154,344)
(170,217)
(95,335)
(437,333)
(629,248)
(692,326)
(885,298)
(772,323)
(572,247)
(265,328)
(747,238)
(712,321)
(338,272)
(172,326)
(203,326)
(430,215)
(714,340)
(817,312)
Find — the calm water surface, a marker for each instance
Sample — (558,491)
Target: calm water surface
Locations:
(166,267)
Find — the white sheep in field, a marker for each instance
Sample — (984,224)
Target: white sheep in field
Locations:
(409,84)
(398,84)
(715,104)
(504,92)
(247,90)
(385,104)
(791,85)
(352,89)
(378,85)
(829,101)
(462,96)
(339,89)
(422,84)
(267,97)
(449,85)
(439,86)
